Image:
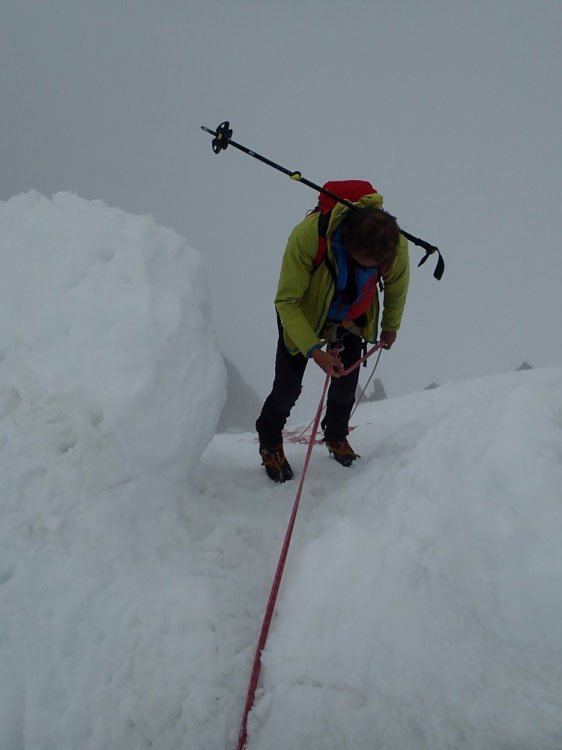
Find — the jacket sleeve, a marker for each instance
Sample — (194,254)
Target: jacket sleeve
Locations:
(396,289)
(294,280)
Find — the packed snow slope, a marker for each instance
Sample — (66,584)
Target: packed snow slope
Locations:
(421,603)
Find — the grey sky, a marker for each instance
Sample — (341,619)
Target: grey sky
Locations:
(452,109)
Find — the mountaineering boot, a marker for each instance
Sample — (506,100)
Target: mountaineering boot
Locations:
(342,451)
(275,463)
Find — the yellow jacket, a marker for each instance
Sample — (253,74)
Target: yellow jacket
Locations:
(304,295)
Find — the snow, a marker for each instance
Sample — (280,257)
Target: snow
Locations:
(420,606)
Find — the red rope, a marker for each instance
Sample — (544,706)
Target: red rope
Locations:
(256,667)
(359,362)
(298,435)
(250,697)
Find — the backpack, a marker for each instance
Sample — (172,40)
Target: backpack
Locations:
(347,192)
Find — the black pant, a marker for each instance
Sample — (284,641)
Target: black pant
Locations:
(287,386)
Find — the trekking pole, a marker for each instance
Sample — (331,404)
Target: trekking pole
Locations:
(223,138)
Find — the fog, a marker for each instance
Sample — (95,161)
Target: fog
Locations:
(451,109)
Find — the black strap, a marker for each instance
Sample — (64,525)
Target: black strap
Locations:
(429,250)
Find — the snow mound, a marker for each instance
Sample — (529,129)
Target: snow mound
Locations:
(105,339)
(111,386)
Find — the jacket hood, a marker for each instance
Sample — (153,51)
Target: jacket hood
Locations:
(340,210)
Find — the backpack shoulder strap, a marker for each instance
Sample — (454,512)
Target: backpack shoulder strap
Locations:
(322,252)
